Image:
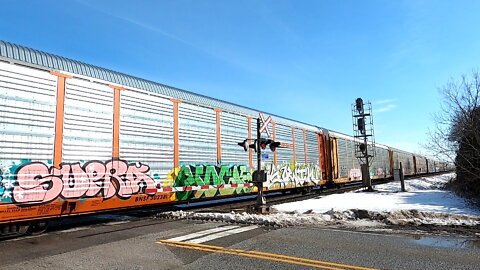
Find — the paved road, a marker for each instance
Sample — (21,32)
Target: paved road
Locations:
(180,244)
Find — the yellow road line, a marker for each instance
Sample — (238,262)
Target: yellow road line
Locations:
(251,256)
(263,255)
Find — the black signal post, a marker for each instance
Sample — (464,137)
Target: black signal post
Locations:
(363,130)
(259,175)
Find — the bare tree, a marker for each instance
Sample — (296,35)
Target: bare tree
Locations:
(456,136)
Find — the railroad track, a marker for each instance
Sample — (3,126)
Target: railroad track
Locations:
(275,198)
(291,196)
(237,204)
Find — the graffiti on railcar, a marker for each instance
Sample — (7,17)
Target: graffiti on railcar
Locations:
(355,174)
(292,174)
(7,175)
(380,173)
(343,171)
(37,183)
(210,175)
(5,188)
(31,183)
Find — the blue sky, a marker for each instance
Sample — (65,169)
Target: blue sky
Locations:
(309,60)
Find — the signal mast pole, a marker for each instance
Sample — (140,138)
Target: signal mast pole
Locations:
(366,167)
(362,129)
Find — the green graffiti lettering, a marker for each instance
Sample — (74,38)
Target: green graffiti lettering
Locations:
(225,171)
(212,175)
(198,176)
(245,175)
(184,178)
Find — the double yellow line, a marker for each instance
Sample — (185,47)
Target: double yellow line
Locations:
(262,255)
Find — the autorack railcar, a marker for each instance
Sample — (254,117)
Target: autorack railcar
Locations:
(79,139)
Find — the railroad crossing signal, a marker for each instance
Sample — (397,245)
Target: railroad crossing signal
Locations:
(265,123)
(260,176)
(262,143)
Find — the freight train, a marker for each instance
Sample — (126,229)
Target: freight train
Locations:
(79,139)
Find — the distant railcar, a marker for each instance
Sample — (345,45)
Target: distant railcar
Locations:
(406,159)
(420,165)
(347,166)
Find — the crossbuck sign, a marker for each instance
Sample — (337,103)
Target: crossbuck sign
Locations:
(265,122)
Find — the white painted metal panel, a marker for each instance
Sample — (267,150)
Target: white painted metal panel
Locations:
(299,146)
(27,114)
(197,135)
(346,157)
(88,128)
(234,129)
(146,131)
(312,148)
(284,135)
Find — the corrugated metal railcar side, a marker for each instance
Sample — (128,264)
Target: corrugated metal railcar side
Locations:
(380,166)
(348,165)
(420,164)
(407,160)
(74,144)
(430,165)
(78,139)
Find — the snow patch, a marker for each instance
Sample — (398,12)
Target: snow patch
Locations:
(424,194)
(424,203)
(349,218)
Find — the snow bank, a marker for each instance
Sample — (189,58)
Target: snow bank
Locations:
(425,203)
(277,219)
(349,218)
(423,194)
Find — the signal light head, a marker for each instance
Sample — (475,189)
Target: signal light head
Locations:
(361,125)
(262,144)
(244,144)
(265,142)
(274,145)
(359,105)
(362,147)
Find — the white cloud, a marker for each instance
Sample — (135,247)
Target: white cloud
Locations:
(384,101)
(386,108)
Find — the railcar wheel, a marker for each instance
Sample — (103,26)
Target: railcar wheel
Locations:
(37,227)
(306,190)
(13,229)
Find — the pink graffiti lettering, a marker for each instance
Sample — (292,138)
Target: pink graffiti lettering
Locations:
(115,180)
(36,183)
(75,181)
(95,173)
(140,180)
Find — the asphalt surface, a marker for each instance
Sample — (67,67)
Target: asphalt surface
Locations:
(143,243)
